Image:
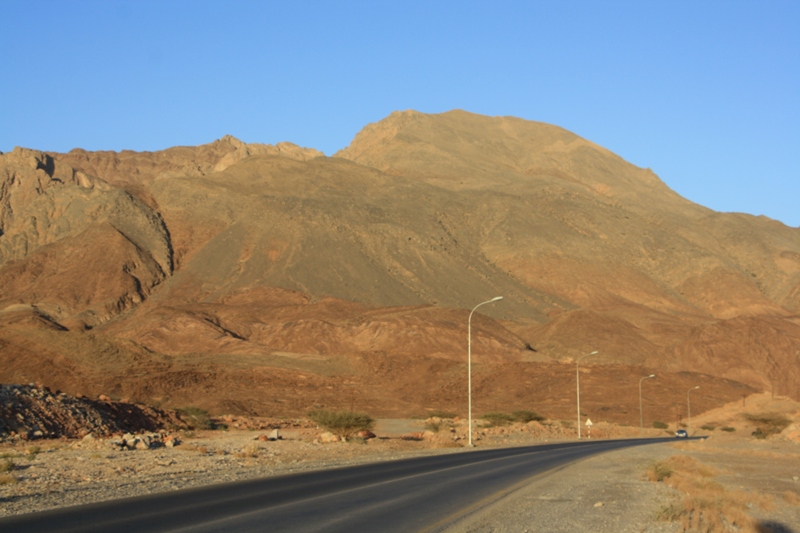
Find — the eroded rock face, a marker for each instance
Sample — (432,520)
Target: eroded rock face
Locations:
(85,249)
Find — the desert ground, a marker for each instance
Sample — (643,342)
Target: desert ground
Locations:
(611,492)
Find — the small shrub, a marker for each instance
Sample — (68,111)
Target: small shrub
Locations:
(196,418)
(250,451)
(708,427)
(435,427)
(728,429)
(768,424)
(660,425)
(6,465)
(525,416)
(498,419)
(8,479)
(659,471)
(32,451)
(343,424)
(670,512)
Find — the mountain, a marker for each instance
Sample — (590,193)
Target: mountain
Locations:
(257,278)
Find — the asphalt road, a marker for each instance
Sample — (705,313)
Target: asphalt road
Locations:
(422,494)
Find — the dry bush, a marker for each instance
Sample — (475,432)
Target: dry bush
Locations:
(436,426)
(768,424)
(706,505)
(8,479)
(33,450)
(6,465)
(249,451)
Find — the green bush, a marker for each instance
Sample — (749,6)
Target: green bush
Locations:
(660,425)
(728,429)
(498,419)
(196,418)
(525,416)
(343,424)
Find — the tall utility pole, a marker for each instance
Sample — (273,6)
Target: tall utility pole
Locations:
(469,363)
(689,409)
(641,418)
(578,387)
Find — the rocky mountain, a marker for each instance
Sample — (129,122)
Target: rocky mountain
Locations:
(269,279)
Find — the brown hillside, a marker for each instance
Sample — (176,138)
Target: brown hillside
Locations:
(258,278)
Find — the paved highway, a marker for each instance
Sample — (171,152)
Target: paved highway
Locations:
(422,494)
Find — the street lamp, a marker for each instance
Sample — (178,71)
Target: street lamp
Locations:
(578,384)
(689,409)
(469,362)
(641,419)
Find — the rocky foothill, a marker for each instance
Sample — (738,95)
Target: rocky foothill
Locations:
(29,412)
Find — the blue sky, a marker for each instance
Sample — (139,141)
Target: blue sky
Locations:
(707,94)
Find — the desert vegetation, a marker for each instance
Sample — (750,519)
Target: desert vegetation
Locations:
(343,424)
(704,504)
(768,424)
(504,419)
(197,418)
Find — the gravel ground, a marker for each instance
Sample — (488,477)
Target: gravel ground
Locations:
(605,493)
(608,493)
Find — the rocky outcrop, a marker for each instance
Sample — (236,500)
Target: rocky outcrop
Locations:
(30,412)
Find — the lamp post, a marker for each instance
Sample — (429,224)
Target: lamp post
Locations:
(641,418)
(469,362)
(578,385)
(689,409)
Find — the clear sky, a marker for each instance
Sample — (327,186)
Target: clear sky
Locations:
(705,93)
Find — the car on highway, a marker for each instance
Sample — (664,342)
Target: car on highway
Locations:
(681,434)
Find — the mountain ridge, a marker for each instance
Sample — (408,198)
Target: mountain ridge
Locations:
(379,250)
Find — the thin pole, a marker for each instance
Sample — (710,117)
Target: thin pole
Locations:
(689,409)
(469,363)
(641,417)
(578,387)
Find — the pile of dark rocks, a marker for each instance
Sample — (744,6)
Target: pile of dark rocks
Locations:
(29,412)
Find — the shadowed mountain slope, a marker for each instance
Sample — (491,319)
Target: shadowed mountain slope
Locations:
(204,267)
